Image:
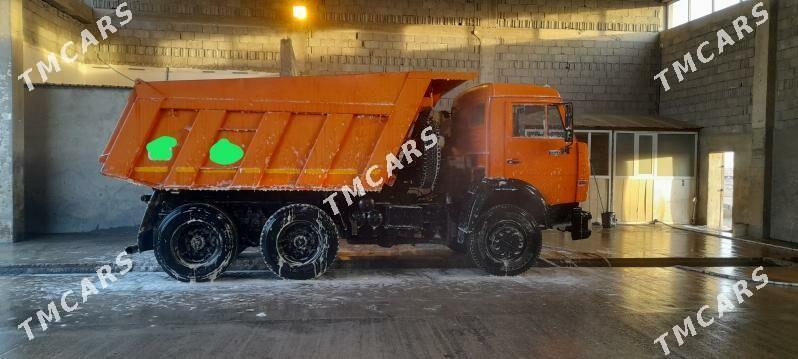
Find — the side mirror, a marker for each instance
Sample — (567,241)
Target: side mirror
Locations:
(569,123)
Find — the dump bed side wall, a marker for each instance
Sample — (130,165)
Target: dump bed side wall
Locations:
(306,133)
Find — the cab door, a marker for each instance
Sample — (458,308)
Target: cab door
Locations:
(535,149)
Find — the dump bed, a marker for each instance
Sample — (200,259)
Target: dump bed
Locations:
(287,133)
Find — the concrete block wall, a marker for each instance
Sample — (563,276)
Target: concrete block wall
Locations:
(784,225)
(49,28)
(598,53)
(717,97)
(729,99)
(66,129)
(599,74)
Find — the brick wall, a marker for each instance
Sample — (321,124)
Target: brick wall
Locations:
(612,15)
(718,95)
(48,28)
(601,74)
(599,54)
(785,171)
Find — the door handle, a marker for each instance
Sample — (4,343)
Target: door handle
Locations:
(513,161)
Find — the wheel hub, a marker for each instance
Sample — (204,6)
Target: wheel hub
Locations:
(299,243)
(506,242)
(196,243)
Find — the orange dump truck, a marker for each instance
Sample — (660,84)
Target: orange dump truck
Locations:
(293,164)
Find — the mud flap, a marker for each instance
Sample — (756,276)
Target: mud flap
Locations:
(145,237)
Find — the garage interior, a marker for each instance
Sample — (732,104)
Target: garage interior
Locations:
(701,180)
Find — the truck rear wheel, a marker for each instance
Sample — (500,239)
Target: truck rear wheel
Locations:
(196,242)
(299,241)
(506,242)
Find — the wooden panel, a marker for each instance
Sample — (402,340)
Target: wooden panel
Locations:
(194,152)
(633,199)
(715,191)
(673,200)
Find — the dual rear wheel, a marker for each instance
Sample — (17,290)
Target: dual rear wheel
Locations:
(197,242)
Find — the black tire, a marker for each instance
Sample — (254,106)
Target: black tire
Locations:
(299,241)
(196,242)
(506,241)
(432,158)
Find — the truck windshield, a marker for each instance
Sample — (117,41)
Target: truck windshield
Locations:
(538,121)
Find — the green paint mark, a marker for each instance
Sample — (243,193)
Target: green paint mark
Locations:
(160,149)
(225,152)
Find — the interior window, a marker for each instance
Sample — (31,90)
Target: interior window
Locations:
(529,121)
(625,154)
(676,155)
(600,154)
(645,155)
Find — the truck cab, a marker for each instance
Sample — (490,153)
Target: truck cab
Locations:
(513,144)
(520,132)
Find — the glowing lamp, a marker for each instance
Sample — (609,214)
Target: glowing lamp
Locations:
(300,12)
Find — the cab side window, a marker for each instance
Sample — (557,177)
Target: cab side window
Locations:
(529,121)
(537,121)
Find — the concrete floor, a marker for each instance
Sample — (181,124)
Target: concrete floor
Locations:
(408,302)
(415,313)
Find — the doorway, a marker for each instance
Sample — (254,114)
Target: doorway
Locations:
(720,191)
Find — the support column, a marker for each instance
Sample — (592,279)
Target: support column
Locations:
(487,39)
(11,129)
(762,125)
(287,58)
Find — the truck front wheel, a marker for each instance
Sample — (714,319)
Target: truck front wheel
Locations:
(299,241)
(196,242)
(506,241)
